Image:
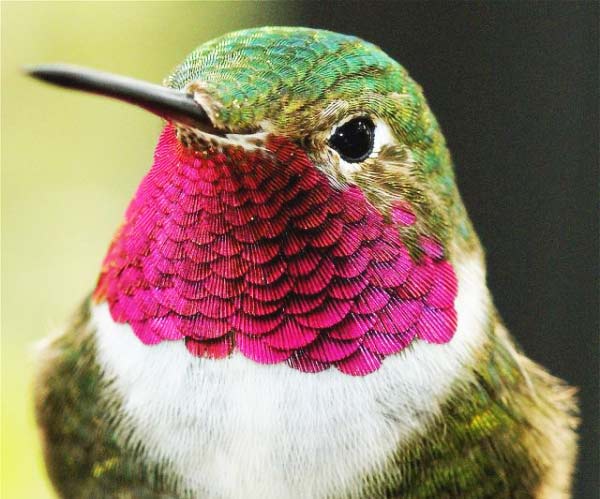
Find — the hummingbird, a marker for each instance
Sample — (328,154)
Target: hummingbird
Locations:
(295,305)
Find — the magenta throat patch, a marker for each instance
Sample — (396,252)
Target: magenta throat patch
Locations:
(255,251)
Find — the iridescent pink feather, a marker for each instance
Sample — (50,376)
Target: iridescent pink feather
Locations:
(256,251)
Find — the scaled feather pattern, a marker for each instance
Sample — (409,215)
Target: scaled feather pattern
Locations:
(255,251)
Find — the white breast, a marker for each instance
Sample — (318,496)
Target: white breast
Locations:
(237,429)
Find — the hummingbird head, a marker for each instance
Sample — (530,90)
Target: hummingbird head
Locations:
(301,207)
(352,109)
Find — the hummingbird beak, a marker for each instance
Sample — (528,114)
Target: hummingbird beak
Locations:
(168,103)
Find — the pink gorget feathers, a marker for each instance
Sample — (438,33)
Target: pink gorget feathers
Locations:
(255,251)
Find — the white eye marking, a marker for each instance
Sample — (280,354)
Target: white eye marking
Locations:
(383,137)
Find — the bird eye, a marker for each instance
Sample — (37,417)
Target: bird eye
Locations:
(354,139)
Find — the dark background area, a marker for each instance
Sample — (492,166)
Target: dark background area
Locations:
(515,88)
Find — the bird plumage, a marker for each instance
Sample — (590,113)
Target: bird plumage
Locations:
(281,315)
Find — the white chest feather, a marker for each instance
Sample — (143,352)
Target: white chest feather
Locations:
(237,429)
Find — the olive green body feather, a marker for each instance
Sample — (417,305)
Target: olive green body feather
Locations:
(79,415)
(506,430)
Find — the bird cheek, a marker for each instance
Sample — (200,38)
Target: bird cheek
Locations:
(329,164)
(348,170)
(195,139)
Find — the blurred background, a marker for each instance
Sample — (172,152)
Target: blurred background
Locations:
(514,85)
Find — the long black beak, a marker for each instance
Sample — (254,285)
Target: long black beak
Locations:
(173,105)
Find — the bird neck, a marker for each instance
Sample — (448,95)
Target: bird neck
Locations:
(255,250)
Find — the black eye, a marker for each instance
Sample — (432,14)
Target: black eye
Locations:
(354,139)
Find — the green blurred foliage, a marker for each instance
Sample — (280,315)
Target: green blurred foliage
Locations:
(70,163)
